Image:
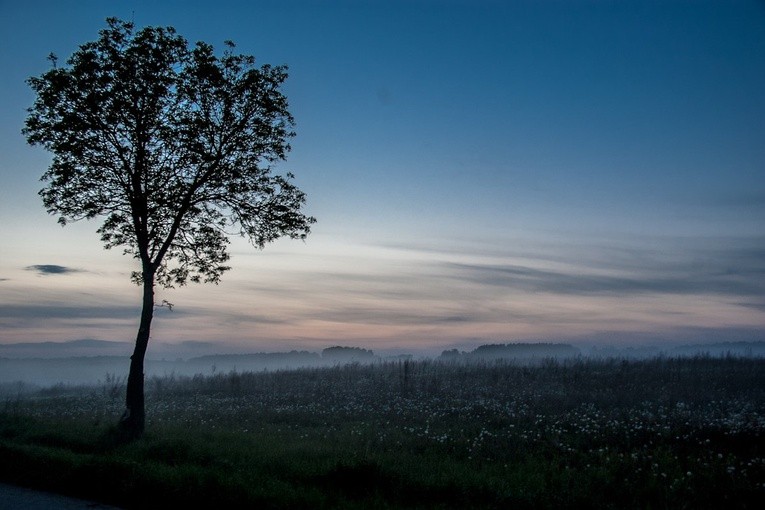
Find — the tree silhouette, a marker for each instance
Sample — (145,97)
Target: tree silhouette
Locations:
(173,146)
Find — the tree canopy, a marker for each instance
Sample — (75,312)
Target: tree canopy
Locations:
(171,144)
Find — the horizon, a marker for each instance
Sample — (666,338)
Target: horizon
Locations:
(481,172)
(194,350)
(91,362)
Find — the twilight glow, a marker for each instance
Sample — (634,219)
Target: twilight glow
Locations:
(481,172)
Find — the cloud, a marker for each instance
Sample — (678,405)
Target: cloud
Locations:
(724,266)
(453,287)
(26,312)
(46,269)
(236,319)
(756,305)
(734,282)
(387,315)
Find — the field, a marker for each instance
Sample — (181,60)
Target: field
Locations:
(658,433)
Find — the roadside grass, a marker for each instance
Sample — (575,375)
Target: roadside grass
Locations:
(662,433)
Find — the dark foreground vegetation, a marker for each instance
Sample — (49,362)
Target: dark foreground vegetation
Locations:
(660,433)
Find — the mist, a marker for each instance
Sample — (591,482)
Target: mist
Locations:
(93,362)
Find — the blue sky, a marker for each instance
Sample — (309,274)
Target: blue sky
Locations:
(481,171)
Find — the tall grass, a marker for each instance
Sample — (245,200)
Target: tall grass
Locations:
(660,433)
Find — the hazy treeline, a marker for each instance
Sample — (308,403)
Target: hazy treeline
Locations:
(520,351)
(48,371)
(95,369)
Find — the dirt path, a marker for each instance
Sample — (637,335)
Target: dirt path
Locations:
(19,498)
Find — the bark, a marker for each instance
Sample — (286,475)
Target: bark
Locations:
(133,419)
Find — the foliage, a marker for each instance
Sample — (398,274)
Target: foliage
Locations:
(172,145)
(661,433)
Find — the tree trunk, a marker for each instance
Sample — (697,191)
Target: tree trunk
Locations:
(133,419)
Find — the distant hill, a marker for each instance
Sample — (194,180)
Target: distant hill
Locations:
(72,348)
(513,351)
(59,365)
(340,354)
(525,350)
(90,361)
(69,370)
(747,349)
(90,347)
(252,362)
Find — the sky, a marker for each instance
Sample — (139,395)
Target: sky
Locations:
(481,172)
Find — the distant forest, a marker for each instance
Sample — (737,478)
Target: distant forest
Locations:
(513,351)
(19,370)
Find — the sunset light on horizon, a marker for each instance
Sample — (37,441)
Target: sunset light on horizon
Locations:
(481,172)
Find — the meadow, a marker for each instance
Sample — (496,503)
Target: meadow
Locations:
(580,433)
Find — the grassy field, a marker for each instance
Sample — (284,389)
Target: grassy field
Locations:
(660,433)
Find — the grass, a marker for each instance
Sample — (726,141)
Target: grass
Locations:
(661,433)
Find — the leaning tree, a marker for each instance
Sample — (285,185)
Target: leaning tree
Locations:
(173,146)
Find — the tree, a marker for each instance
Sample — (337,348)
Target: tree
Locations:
(173,147)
